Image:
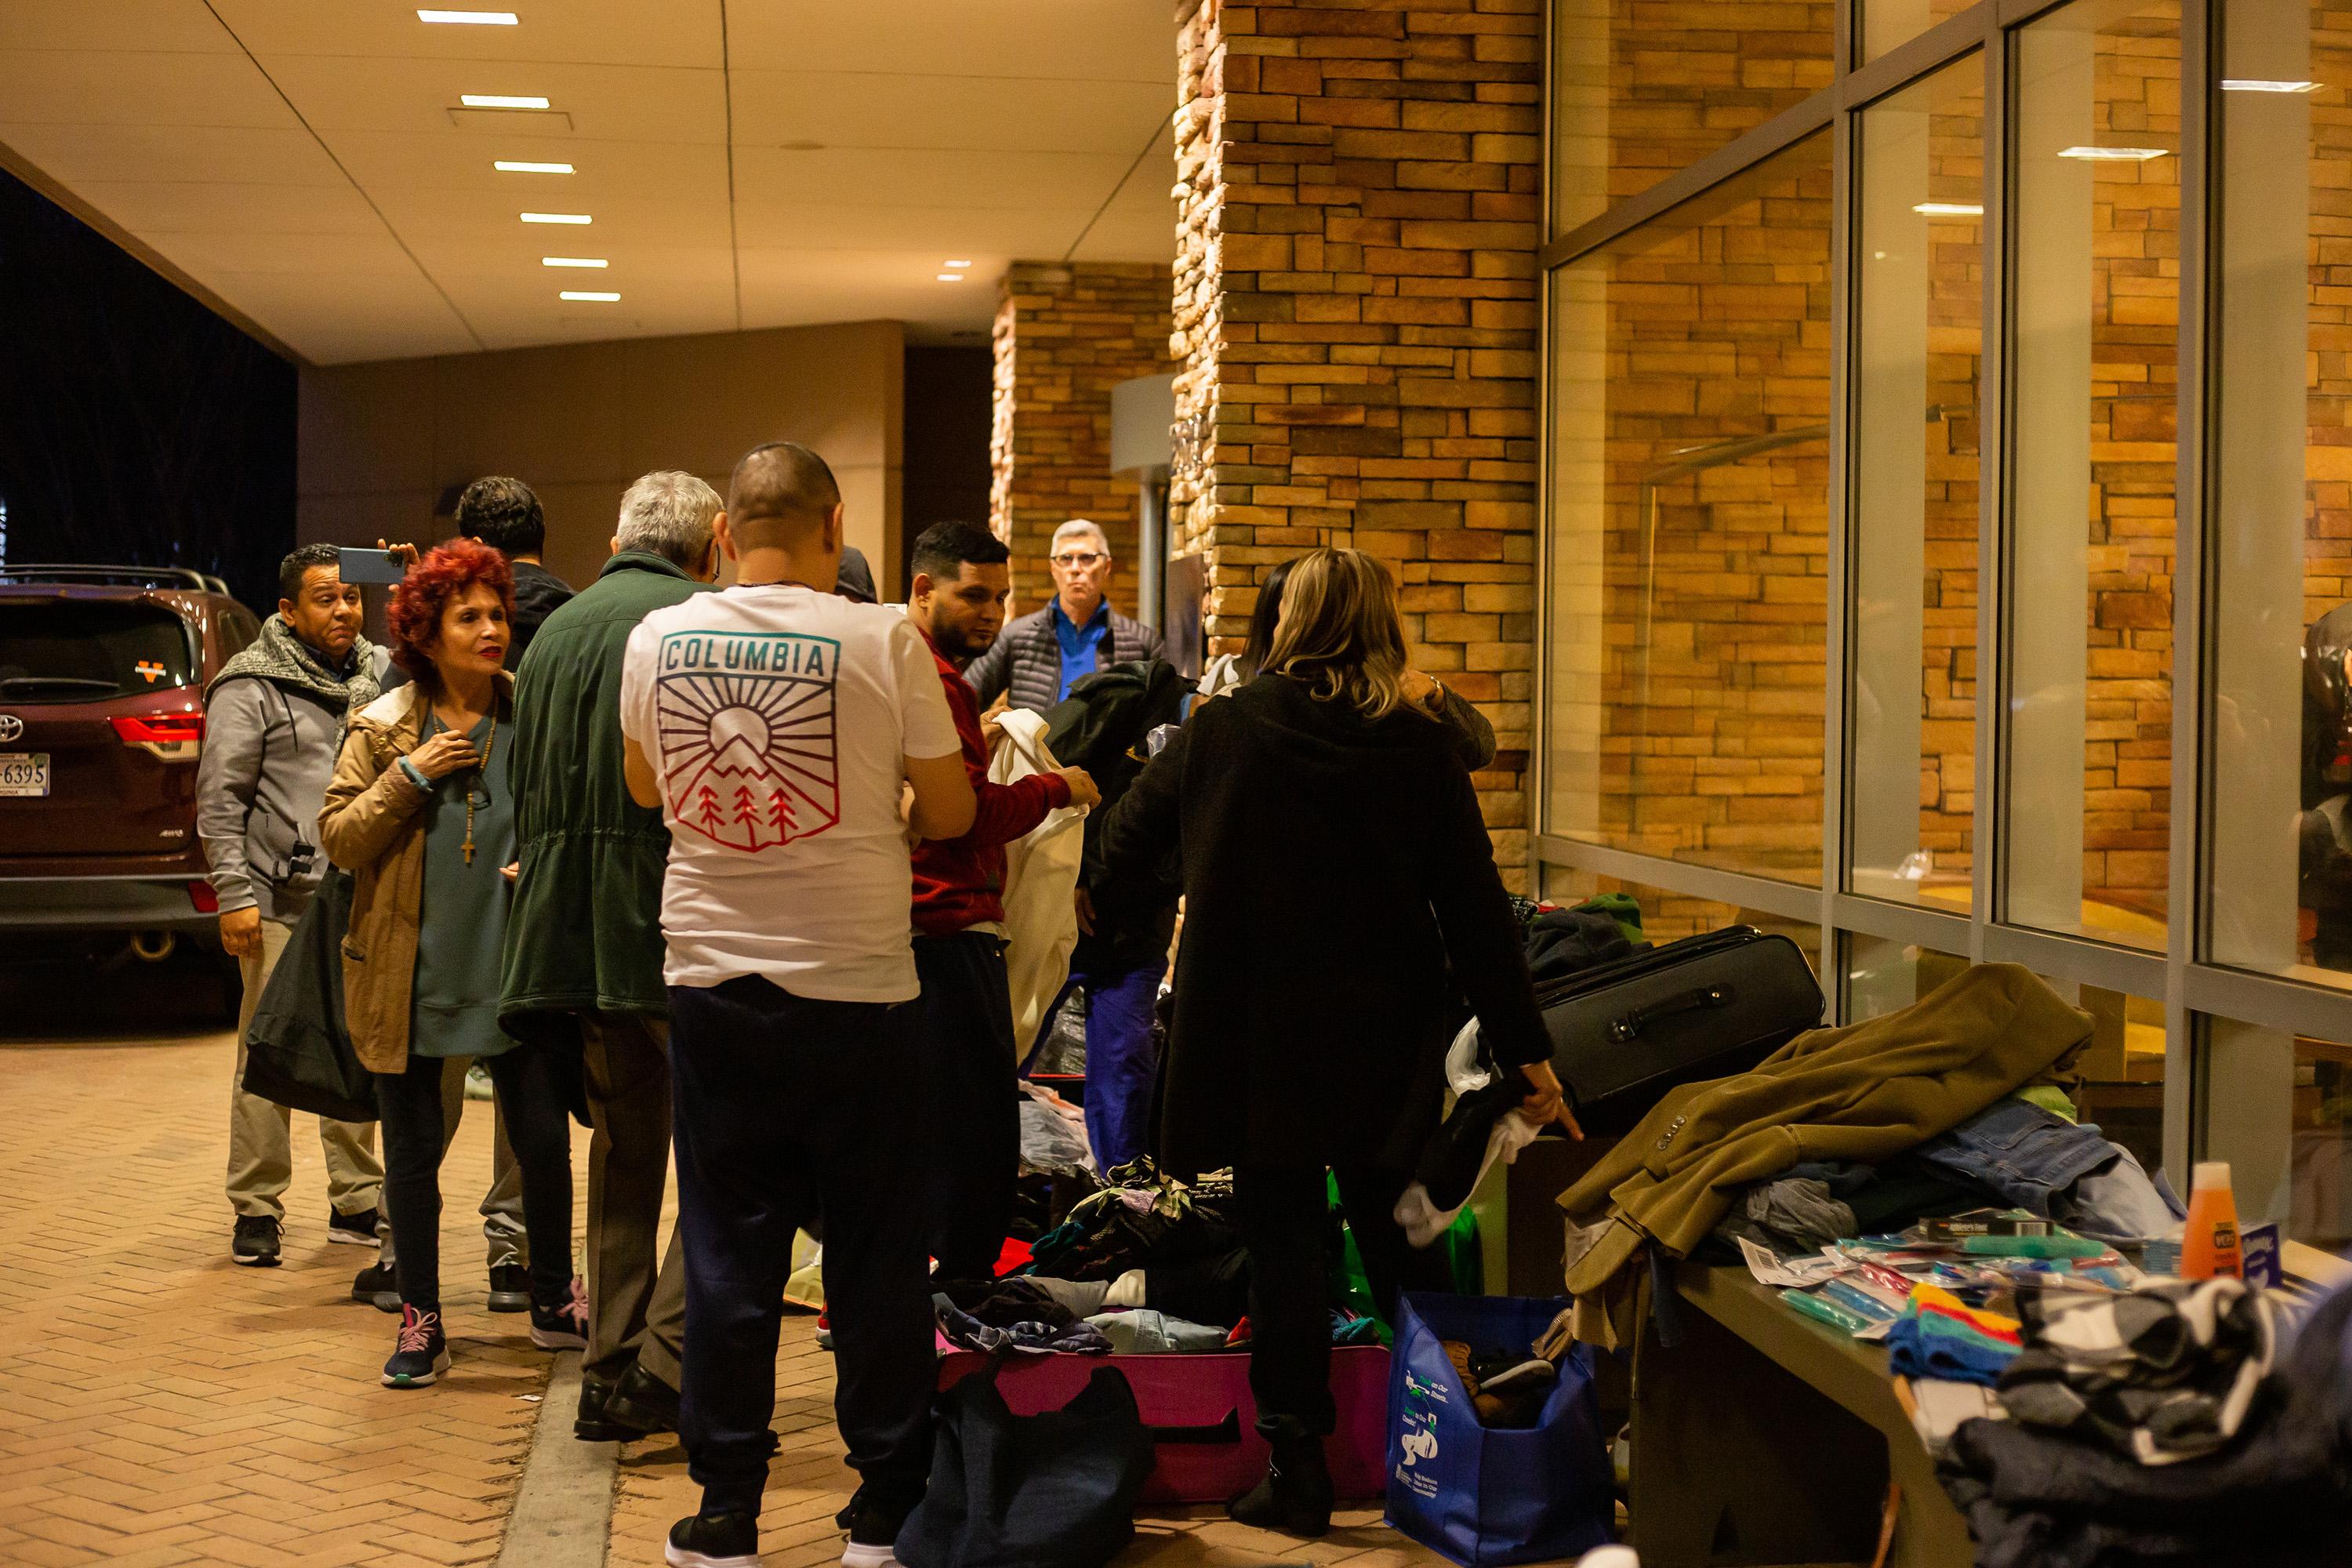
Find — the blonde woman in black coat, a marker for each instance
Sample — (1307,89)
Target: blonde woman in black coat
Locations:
(1334,862)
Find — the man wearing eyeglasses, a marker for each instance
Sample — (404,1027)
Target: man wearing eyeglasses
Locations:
(1077,632)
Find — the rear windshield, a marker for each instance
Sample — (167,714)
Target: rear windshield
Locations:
(87,653)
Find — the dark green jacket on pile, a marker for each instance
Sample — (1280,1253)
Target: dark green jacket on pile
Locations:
(1864,1093)
(584,934)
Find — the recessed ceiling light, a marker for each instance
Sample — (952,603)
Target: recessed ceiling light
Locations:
(518,166)
(2246,84)
(590,296)
(500,100)
(2115,154)
(950,277)
(471,18)
(557,218)
(1948,209)
(573,262)
(955,263)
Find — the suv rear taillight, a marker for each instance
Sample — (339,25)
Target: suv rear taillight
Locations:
(173,737)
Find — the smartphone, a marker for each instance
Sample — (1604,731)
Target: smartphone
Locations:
(368,566)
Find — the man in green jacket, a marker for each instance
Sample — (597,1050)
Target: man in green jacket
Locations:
(583,943)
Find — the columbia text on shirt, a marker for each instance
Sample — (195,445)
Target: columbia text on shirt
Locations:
(777,720)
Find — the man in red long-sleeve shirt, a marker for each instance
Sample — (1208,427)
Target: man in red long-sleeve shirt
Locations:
(957,602)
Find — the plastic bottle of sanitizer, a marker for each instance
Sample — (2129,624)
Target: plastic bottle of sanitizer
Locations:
(2208,1244)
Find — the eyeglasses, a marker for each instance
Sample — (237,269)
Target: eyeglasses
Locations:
(1079,560)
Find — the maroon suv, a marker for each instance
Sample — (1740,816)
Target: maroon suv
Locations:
(102,672)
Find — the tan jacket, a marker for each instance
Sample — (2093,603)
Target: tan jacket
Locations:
(369,826)
(1862,1093)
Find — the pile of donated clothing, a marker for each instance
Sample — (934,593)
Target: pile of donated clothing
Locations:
(2162,1422)
(1947,1105)
(1146,1263)
(2178,1423)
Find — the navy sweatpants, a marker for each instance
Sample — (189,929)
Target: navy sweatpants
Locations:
(775,1100)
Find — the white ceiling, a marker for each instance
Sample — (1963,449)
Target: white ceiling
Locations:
(748,163)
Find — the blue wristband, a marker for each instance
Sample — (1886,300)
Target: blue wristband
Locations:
(423,784)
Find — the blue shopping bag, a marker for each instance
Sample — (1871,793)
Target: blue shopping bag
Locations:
(1488,1496)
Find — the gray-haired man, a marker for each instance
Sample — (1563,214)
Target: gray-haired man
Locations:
(1077,632)
(592,857)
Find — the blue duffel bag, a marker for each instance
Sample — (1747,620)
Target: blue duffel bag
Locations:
(1483,1495)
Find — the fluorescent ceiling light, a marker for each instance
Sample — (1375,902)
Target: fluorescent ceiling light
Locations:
(955,263)
(518,166)
(573,262)
(950,277)
(1948,209)
(471,18)
(2247,84)
(2115,154)
(557,218)
(591,296)
(500,100)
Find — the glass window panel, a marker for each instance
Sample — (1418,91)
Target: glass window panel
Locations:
(1643,87)
(2282,836)
(1670,917)
(1919,343)
(1887,22)
(2259,1083)
(1883,976)
(1689,528)
(2095,302)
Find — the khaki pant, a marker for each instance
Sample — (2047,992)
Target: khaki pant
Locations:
(260,1131)
(635,1312)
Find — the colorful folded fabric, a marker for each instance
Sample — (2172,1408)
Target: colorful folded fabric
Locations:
(1940,1337)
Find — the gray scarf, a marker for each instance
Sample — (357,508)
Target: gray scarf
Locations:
(278,655)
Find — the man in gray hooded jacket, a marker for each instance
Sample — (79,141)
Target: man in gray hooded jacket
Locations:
(274,722)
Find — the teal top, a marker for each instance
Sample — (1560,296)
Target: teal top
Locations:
(461,920)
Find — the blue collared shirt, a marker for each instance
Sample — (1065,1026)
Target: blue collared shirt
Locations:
(1081,645)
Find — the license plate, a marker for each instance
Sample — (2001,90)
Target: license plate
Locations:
(24,772)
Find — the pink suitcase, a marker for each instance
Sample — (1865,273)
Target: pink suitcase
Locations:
(1204,1417)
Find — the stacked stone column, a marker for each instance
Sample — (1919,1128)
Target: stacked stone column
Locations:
(1356,323)
(1065,335)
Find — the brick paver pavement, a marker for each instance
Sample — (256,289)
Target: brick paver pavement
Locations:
(160,1405)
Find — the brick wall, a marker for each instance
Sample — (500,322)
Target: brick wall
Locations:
(1356,323)
(1065,334)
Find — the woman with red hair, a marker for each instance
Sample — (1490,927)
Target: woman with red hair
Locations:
(421,813)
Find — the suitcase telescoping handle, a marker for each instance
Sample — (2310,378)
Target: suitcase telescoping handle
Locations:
(1700,998)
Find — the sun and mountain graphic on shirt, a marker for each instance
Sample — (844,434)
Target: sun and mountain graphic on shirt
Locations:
(749,757)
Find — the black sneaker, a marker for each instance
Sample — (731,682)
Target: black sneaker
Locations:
(642,1401)
(377,1285)
(421,1353)
(510,1287)
(873,1533)
(714,1541)
(564,1325)
(352,1229)
(255,1243)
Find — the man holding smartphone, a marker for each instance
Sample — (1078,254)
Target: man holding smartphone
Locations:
(274,721)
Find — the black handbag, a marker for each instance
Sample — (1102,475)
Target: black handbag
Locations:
(298,1050)
(1624,1033)
(1052,1490)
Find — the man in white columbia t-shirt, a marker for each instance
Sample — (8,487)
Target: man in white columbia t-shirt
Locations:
(776,726)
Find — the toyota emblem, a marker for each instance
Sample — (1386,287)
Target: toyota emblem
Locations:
(10,726)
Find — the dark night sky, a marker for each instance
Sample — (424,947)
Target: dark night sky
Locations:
(136,426)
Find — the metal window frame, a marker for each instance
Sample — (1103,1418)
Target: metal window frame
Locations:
(2192,988)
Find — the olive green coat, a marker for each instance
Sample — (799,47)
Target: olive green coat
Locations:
(585,934)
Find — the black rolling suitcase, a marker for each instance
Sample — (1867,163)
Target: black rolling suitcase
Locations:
(1708,1006)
